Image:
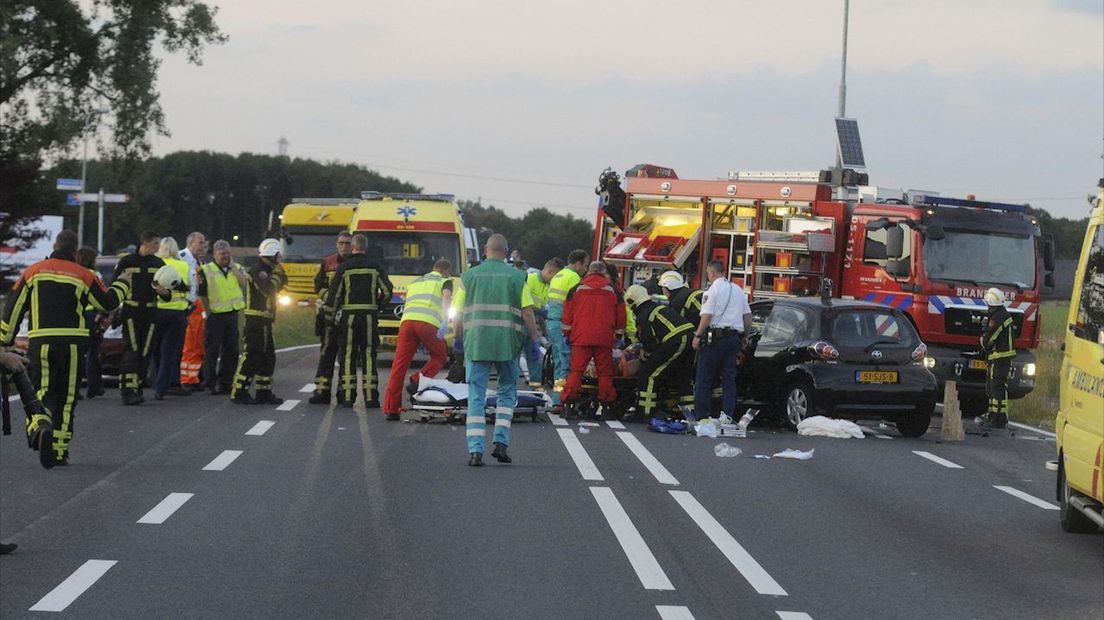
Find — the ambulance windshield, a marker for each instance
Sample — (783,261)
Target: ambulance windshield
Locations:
(981,258)
(413,254)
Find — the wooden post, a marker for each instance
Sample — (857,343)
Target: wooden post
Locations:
(952,414)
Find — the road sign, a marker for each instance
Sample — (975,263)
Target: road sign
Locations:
(93,197)
(116,198)
(73,200)
(69,185)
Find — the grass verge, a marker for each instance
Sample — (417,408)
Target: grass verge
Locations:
(1040,406)
(294,326)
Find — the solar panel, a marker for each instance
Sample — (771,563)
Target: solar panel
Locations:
(849,144)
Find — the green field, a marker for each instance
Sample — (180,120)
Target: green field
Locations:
(294,327)
(1040,406)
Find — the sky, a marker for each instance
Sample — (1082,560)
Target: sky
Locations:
(524,103)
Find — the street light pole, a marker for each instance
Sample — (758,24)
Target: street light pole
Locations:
(84,177)
(842,109)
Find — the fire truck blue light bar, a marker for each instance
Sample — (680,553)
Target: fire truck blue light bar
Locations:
(977,204)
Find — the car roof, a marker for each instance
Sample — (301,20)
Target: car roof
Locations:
(814,303)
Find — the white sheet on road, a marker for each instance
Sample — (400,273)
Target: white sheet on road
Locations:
(441,388)
(820,426)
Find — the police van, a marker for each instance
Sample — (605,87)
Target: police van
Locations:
(1080,420)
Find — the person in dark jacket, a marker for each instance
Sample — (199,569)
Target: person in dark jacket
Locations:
(138,314)
(669,359)
(258,356)
(997,345)
(324,326)
(594,315)
(681,298)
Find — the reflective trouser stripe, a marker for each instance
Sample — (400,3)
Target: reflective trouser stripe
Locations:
(648,397)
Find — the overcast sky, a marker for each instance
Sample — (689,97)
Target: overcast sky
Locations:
(524,103)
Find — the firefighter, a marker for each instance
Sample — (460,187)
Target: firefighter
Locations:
(537,283)
(172,324)
(323,324)
(258,356)
(138,314)
(594,314)
(680,297)
(222,283)
(359,287)
(423,324)
(55,291)
(497,314)
(191,357)
(558,288)
(996,344)
(669,358)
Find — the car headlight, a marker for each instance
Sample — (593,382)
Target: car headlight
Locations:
(929,362)
(285,300)
(1029,369)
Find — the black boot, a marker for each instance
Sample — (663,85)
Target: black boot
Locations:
(132,398)
(265,397)
(7,548)
(476,459)
(43,441)
(500,453)
(319,399)
(242,398)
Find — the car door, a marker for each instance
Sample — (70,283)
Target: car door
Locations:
(747,385)
(774,352)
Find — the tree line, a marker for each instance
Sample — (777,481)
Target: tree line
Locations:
(539,234)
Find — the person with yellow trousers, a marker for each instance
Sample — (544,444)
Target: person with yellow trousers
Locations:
(258,356)
(191,358)
(558,288)
(423,324)
(359,287)
(222,283)
(172,321)
(55,292)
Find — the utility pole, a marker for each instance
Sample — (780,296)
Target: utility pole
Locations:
(282,146)
(842,109)
(84,179)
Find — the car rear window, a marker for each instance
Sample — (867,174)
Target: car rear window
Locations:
(862,328)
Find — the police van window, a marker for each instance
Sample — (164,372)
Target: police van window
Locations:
(874,247)
(782,326)
(1090,314)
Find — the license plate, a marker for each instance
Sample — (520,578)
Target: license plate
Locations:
(876,376)
(977,364)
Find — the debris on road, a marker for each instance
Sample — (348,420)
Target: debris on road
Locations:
(707,427)
(790,453)
(725,450)
(584,430)
(820,426)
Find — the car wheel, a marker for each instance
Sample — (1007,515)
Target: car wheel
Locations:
(797,404)
(914,424)
(1071,518)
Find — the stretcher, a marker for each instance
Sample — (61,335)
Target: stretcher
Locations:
(441,401)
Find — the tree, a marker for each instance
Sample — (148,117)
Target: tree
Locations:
(61,61)
(539,234)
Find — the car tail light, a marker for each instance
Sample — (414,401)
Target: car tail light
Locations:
(920,352)
(824,350)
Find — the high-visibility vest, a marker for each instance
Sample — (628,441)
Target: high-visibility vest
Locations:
(558,288)
(494,296)
(423,299)
(179,300)
(538,289)
(224,293)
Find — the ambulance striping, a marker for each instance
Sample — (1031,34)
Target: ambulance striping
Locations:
(401,225)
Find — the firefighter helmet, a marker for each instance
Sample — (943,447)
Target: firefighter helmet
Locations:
(269,247)
(994,297)
(636,295)
(671,280)
(168,277)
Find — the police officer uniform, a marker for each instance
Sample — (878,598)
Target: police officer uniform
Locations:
(138,322)
(359,286)
(258,356)
(719,345)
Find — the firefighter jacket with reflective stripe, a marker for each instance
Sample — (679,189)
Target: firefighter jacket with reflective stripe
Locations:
(265,281)
(221,289)
(558,288)
(538,289)
(656,324)
(593,312)
(360,284)
(55,292)
(325,273)
(494,295)
(688,303)
(424,297)
(998,336)
(179,299)
(141,269)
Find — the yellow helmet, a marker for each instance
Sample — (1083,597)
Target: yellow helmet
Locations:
(636,295)
(671,280)
(994,297)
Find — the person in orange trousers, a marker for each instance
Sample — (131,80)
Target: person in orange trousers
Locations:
(191,361)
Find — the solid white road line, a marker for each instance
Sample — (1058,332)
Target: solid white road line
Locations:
(307,388)
(557,420)
(640,556)
(579,455)
(223,460)
(615,425)
(260,428)
(937,459)
(644,456)
(793,615)
(1025,427)
(165,509)
(288,405)
(1031,499)
(302,346)
(67,591)
(736,554)
(674,612)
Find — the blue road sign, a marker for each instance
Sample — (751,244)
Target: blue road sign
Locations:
(72,200)
(69,185)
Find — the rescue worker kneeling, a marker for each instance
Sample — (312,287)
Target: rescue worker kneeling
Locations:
(593,313)
(669,358)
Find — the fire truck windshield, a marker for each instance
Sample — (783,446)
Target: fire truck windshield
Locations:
(981,258)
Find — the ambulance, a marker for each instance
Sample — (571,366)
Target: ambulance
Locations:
(1080,420)
(412,231)
(310,227)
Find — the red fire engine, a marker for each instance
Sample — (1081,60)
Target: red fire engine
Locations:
(784,235)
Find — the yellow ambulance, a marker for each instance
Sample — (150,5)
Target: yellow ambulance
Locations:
(1080,421)
(310,227)
(411,232)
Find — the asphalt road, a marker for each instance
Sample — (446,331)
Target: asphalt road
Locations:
(197,508)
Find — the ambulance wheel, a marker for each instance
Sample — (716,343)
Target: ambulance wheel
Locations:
(1071,518)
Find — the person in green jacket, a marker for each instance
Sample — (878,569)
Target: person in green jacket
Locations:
(497,321)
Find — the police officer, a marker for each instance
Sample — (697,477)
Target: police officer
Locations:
(323,323)
(55,291)
(668,363)
(138,314)
(359,287)
(558,288)
(258,356)
(996,344)
(222,283)
(725,318)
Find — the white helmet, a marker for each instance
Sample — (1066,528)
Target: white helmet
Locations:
(636,295)
(671,280)
(168,277)
(994,297)
(269,247)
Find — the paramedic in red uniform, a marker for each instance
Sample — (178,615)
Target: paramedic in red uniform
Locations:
(594,314)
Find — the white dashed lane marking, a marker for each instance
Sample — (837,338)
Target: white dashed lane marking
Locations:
(307,388)
(260,428)
(644,456)
(674,612)
(223,460)
(640,556)
(1031,499)
(793,615)
(165,509)
(617,426)
(288,405)
(67,591)
(582,460)
(937,459)
(557,420)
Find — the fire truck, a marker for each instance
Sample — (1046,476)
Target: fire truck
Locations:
(786,234)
